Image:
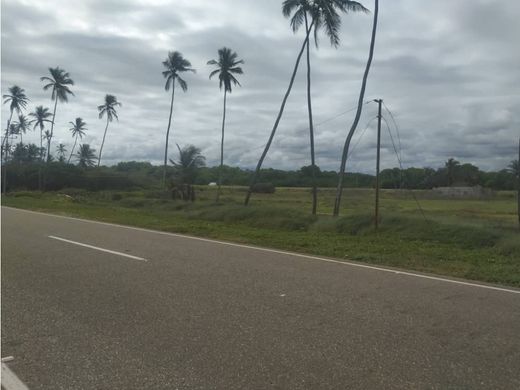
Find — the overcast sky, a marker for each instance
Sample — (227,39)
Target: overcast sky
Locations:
(448,70)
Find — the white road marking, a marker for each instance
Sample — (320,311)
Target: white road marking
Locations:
(10,381)
(346,263)
(98,248)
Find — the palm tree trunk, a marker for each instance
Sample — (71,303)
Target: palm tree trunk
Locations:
(168,136)
(275,127)
(73,147)
(222,147)
(6,150)
(344,156)
(102,143)
(311,125)
(52,130)
(40,184)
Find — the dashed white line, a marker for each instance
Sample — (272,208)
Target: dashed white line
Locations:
(98,248)
(10,381)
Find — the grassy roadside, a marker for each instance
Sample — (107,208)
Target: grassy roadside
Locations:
(455,240)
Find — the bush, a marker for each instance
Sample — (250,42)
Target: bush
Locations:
(263,188)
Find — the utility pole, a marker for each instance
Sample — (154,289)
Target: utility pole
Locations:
(379,102)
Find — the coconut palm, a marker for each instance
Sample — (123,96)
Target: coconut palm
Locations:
(174,64)
(108,109)
(344,155)
(78,130)
(227,67)
(59,84)
(17,102)
(86,156)
(185,171)
(40,115)
(22,125)
(61,149)
(324,14)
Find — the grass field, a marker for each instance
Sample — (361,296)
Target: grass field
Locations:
(472,239)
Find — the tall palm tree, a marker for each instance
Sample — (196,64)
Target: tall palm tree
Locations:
(185,171)
(40,115)
(227,66)
(174,64)
(59,84)
(22,125)
(17,102)
(324,14)
(86,156)
(344,155)
(78,130)
(61,149)
(108,108)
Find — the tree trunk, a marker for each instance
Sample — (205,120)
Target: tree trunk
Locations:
(73,147)
(344,156)
(168,136)
(275,127)
(52,130)
(222,147)
(311,124)
(40,184)
(102,143)
(6,150)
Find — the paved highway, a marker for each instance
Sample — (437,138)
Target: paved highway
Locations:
(87,305)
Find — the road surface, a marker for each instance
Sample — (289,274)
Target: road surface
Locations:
(184,313)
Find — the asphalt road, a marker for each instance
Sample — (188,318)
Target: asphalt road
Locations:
(207,315)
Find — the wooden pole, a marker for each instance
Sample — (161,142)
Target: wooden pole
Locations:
(378,160)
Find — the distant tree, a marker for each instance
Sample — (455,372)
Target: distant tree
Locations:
(108,109)
(61,149)
(86,156)
(514,168)
(322,14)
(59,84)
(174,64)
(22,126)
(346,146)
(78,131)
(451,165)
(40,116)
(227,67)
(185,171)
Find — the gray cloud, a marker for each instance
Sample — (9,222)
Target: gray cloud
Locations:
(447,70)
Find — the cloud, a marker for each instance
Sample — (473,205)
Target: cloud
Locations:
(447,70)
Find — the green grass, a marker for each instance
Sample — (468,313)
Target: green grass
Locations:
(472,239)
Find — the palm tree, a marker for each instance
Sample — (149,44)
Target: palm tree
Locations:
(344,156)
(324,14)
(86,156)
(17,102)
(40,115)
(59,83)
(78,130)
(108,108)
(185,171)
(22,125)
(174,64)
(226,68)
(61,149)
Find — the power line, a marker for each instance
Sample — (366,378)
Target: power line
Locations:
(359,139)
(396,128)
(338,115)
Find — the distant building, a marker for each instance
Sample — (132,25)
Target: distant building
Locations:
(464,192)
(212,184)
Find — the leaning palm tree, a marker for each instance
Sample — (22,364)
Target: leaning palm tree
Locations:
(174,64)
(185,171)
(61,149)
(59,83)
(22,125)
(86,156)
(78,131)
(227,66)
(324,14)
(344,156)
(108,108)
(40,115)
